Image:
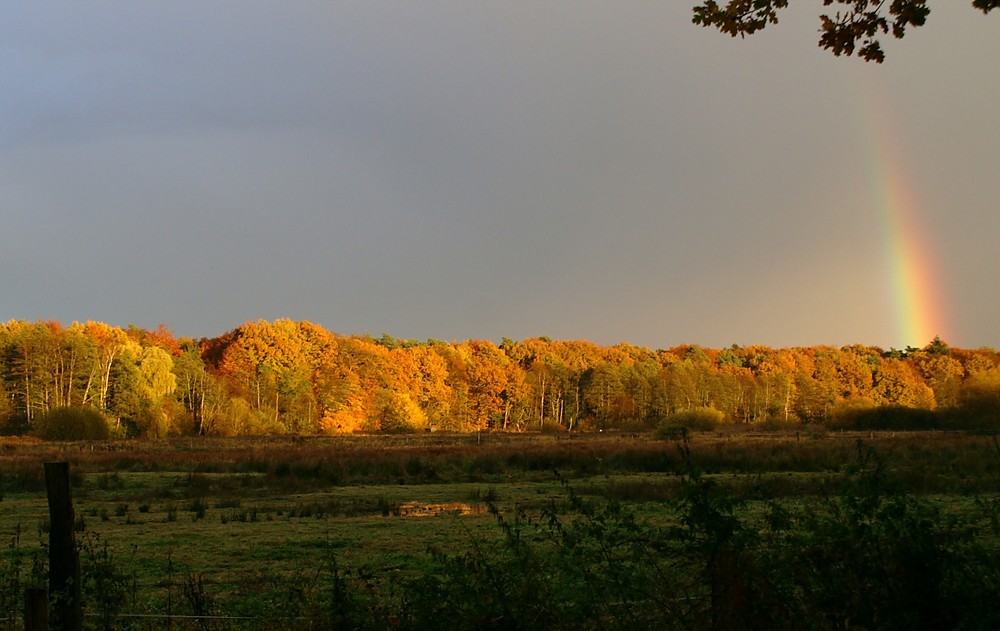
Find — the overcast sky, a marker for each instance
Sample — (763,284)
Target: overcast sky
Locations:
(470,169)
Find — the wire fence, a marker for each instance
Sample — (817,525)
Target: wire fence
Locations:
(182,622)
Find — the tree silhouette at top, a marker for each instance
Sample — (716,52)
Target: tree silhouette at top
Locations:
(851,26)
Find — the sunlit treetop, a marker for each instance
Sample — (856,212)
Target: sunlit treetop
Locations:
(850,26)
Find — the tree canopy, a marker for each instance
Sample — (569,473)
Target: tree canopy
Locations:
(852,26)
(93,379)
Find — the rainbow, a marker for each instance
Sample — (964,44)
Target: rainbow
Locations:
(918,299)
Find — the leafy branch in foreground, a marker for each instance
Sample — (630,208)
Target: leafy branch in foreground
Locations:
(855,26)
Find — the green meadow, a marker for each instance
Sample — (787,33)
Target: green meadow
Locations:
(509,531)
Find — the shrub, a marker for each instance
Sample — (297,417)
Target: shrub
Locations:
(73,423)
(107,583)
(895,417)
(553,427)
(14,425)
(677,425)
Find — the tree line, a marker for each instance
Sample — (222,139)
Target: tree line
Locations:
(288,377)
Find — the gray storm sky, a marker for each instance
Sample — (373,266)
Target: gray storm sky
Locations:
(478,169)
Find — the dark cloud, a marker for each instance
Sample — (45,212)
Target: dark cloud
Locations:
(478,170)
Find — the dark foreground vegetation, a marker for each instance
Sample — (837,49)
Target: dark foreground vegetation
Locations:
(737,530)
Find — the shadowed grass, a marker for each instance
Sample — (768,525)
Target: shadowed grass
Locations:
(228,511)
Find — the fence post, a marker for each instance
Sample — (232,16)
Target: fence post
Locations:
(64,559)
(36,609)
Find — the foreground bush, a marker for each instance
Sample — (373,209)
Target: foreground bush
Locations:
(871,558)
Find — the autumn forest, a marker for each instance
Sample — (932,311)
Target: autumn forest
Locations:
(288,377)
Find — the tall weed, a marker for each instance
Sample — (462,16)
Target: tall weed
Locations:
(871,556)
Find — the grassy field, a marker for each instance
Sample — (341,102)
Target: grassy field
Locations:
(269,527)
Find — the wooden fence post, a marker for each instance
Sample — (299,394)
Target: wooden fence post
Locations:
(36,609)
(64,559)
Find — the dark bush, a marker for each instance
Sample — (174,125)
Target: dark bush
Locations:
(895,417)
(72,423)
(14,425)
